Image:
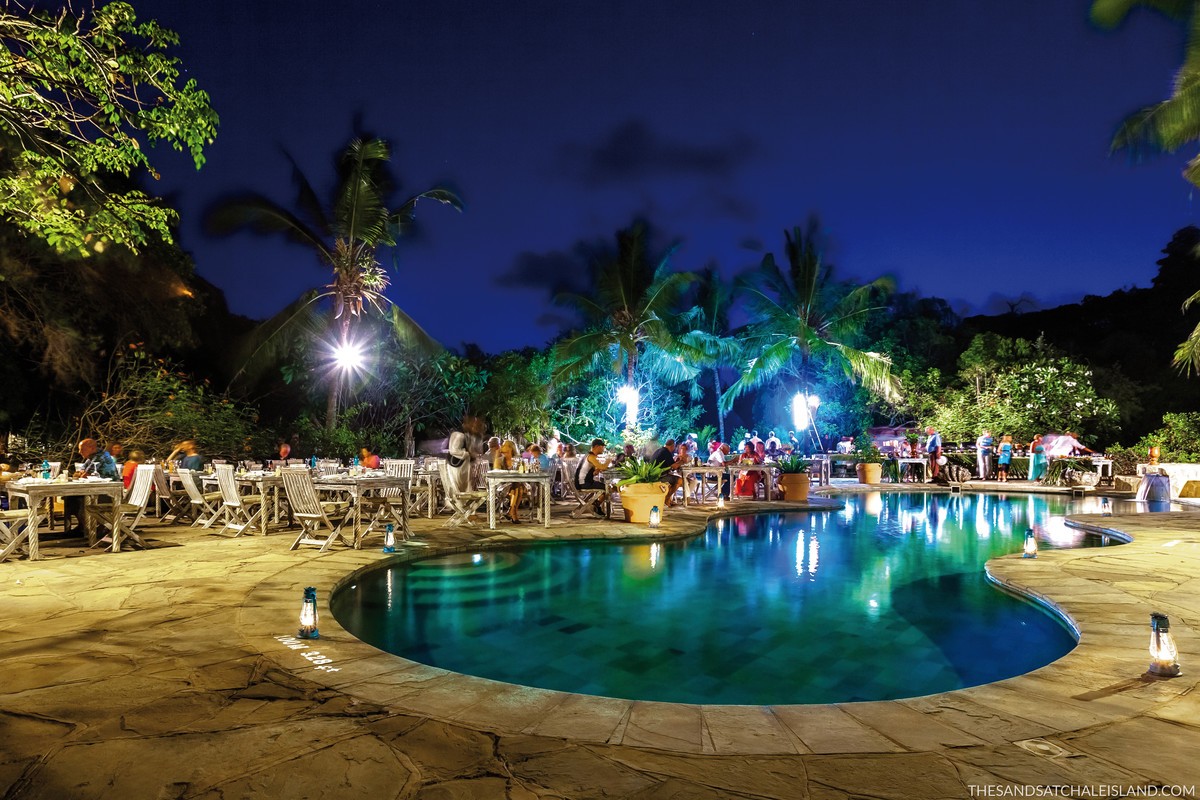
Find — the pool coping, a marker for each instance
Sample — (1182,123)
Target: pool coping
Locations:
(1101,680)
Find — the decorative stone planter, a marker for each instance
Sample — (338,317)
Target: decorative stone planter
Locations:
(638,498)
(869,474)
(795,486)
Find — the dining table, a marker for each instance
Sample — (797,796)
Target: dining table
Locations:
(540,481)
(369,484)
(34,492)
(703,471)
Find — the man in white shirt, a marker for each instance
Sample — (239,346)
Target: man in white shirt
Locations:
(1066,445)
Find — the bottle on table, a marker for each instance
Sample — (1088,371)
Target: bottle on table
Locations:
(45,470)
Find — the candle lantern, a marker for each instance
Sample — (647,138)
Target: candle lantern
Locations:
(720,503)
(1030,544)
(308,615)
(389,538)
(1162,647)
(1105,507)
(655,517)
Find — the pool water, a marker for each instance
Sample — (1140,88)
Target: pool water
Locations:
(883,599)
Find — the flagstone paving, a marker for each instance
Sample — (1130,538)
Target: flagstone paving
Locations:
(168,673)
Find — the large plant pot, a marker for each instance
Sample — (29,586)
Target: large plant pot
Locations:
(795,486)
(638,498)
(869,474)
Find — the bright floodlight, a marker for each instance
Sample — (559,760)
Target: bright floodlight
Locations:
(630,396)
(800,411)
(348,356)
(814,402)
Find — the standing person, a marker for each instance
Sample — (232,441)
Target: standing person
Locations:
(983,454)
(458,461)
(1037,459)
(933,449)
(794,441)
(1004,458)
(773,442)
(117,451)
(284,451)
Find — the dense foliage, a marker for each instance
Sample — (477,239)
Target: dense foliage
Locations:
(82,96)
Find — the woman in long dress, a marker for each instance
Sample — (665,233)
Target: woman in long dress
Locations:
(748,480)
(1038,462)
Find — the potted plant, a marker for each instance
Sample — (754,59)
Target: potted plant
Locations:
(642,488)
(870,460)
(793,478)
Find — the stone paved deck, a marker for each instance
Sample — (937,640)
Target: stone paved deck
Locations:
(162,674)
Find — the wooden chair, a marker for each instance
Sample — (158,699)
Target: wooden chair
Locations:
(313,513)
(389,504)
(129,513)
(175,500)
(584,498)
(204,506)
(462,504)
(239,511)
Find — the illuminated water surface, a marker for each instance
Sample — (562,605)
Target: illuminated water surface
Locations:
(883,599)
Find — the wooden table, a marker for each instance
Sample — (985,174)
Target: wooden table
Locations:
(916,462)
(35,490)
(540,480)
(702,470)
(266,484)
(359,486)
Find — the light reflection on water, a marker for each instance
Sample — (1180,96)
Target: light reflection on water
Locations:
(883,599)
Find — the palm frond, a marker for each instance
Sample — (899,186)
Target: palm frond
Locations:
(770,361)
(412,336)
(268,344)
(402,219)
(872,370)
(262,215)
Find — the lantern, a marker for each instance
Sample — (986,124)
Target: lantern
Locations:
(1162,647)
(1105,507)
(1030,544)
(655,517)
(308,615)
(720,503)
(389,538)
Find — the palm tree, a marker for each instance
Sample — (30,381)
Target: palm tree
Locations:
(708,330)
(804,319)
(1170,124)
(628,318)
(1167,125)
(346,239)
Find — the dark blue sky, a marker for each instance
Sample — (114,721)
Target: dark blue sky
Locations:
(960,146)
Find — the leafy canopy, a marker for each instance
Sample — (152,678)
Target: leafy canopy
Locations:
(81,95)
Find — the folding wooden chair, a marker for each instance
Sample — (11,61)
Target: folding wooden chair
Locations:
(204,507)
(462,504)
(175,500)
(128,514)
(313,513)
(388,506)
(239,511)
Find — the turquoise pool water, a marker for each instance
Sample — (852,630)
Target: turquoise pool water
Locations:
(884,599)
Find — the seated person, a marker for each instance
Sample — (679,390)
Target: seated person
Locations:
(507,459)
(845,446)
(130,466)
(749,480)
(96,463)
(720,458)
(541,459)
(191,456)
(368,459)
(627,453)
(667,458)
(587,473)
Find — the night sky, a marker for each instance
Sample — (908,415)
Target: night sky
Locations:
(960,146)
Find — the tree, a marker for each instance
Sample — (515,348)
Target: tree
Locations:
(709,331)
(628,318)
(81,95)
(805,320)
(346,238)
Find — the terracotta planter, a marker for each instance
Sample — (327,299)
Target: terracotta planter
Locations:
(638,498)
(869,474)
(1154,455)
(795,486)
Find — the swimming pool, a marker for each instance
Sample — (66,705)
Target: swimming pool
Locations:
(883,599)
